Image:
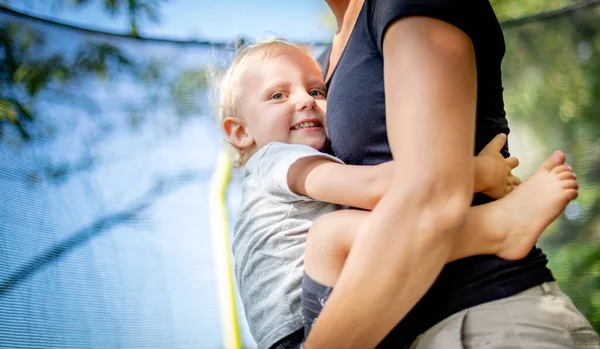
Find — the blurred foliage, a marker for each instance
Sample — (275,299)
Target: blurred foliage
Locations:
(189,81)
(136,10)
(27,69)
(33,70)
(552,82)
(504,9)
(512,9)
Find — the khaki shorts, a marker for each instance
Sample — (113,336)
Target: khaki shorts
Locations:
(541,317)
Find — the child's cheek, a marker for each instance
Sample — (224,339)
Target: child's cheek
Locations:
(322,104)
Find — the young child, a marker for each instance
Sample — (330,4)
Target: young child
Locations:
(272,101)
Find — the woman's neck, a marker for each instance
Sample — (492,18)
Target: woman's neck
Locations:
(339,9)
(346,13)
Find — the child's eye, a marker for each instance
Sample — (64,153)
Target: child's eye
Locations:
(316,93)
(277,95)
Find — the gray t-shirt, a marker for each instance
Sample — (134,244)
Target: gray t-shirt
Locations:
(269,239)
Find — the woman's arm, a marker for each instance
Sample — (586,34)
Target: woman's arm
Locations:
(430,86)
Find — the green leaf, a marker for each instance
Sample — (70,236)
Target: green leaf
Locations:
(8,111)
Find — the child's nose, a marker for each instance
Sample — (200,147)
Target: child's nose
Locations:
(306,101)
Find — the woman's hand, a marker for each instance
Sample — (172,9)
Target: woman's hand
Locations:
(493,173)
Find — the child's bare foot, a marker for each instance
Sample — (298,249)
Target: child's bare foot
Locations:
(532,206)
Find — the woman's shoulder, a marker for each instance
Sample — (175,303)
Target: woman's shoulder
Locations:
(422,5)
(471,16)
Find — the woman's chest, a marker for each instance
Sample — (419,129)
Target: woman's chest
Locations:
(356,108)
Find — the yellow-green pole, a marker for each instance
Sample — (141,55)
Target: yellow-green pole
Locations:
(221,252)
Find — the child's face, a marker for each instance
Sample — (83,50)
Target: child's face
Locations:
(283,100)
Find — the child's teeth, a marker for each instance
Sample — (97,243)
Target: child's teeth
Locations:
(306,124)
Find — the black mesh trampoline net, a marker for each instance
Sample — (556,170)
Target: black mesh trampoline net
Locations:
(107,148)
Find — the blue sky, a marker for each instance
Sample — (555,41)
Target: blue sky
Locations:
(218,20)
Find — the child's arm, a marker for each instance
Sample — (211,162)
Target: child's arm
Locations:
(328,181)
(493,173)
(363,186)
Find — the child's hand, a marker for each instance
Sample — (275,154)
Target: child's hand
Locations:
(493,173)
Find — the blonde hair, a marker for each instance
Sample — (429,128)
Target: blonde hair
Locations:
(228,84)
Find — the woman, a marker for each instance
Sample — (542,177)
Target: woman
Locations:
(430,70)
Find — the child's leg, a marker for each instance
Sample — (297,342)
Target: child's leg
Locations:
(508,227)
(328,243)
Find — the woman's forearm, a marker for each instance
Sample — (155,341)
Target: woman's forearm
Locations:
(399,251)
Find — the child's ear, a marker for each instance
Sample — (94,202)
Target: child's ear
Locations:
(235,129)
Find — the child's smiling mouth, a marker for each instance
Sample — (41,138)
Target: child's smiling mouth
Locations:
(307,124)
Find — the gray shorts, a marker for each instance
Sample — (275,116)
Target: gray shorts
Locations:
(540,317)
